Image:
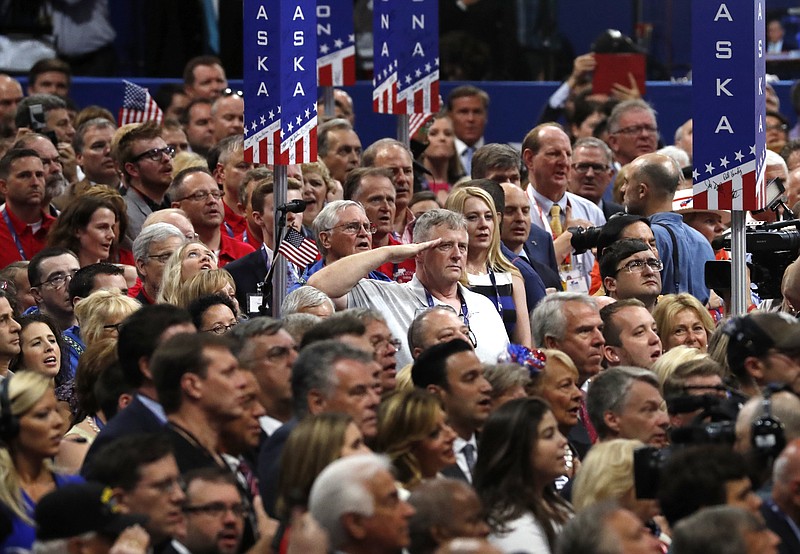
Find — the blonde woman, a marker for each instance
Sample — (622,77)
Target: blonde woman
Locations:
(186,262)
(101,313)
(488,271)
(607,474)
(213,281)
(666,364)
(413,432)
(682,319)
(31,430)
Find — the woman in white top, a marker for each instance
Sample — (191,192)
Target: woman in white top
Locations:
(520,453)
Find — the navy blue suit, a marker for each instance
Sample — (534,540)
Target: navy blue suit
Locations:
(247,272)
(136,418)
(534,286)
(269,464)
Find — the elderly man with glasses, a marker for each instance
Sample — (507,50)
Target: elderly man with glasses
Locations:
(195,191)
(440,250)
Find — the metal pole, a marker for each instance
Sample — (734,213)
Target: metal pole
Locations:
(402,130)
(740,296)
(281,173)
(328,102)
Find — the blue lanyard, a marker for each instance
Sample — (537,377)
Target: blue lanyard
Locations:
(464,310)
(14,234)
(497,302)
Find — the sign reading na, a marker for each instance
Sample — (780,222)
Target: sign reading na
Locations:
(280,81)
(728,104)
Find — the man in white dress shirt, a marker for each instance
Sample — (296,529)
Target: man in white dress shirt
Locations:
(547,153)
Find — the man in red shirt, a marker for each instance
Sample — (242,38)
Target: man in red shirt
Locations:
(195,191)
(226,162)
(23,231)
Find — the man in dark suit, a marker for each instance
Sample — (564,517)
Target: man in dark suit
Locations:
(453,372)
(501,163)
(250,271)
(138,338)
(592,173)
(782,510)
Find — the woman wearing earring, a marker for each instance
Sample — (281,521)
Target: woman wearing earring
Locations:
(31,430)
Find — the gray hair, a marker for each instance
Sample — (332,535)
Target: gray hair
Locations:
(548,318)
(592,142)
(94,123)
(256,327)
(608,392)
(715,530)
(366,315)
(342,489)
(773,158)
(228,146)
(588,533)
(424,224)
(58,546)
(504,377)
(372,151)
(494,156)
(297,325)
(313,370)
(47,101)
(678,154)
(624,107)
(304,297)
(336,124)
(416,331)
(328,218)
(153,233)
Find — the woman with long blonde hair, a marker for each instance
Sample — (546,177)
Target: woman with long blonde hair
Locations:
(31,429)
(489,272)
(186,262)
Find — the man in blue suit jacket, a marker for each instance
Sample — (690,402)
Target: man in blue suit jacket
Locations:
(139,336)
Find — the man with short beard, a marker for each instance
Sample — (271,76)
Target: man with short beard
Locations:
(54,182)
(214,513)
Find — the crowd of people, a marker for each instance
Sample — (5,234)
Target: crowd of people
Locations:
(495,349)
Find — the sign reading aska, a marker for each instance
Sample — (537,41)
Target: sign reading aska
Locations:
(728,104)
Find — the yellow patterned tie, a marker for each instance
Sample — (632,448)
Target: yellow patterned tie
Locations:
(555,220)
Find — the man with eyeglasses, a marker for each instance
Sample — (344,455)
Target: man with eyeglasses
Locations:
(146,164)
(649,192)
(195,191)
(592,172)
(227,115)
(629,269)
(633,131)
(394,156)
(372,187)
(215,513)
(23,231)
(342,229)
(440,251)
(144,478)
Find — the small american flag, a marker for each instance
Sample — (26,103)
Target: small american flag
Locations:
(138,106)
(298,249)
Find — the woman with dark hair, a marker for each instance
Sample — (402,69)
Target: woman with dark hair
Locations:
(440,158)
(213,313)
(41,348)
(86,227)
(520,453)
